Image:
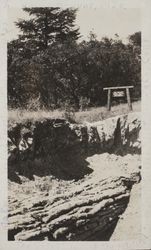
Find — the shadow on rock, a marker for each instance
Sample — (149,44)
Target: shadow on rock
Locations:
(56,147)
(106,234)
(62,166)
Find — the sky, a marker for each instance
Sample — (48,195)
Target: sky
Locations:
(103,22)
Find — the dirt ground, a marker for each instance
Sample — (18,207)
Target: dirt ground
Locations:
(129,224)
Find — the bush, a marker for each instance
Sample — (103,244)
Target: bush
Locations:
(69,112)
(84,103)
(34,104)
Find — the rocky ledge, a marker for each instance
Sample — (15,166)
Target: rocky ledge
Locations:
(67,187)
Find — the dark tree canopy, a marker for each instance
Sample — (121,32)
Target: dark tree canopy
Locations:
(135,39)
(47,63)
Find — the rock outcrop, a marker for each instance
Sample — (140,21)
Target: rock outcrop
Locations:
(77,214)
(60,148)
(85,209)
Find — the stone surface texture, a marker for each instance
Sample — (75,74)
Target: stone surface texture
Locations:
(71,181)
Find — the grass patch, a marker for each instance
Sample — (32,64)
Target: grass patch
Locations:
(101,113)
(90,115)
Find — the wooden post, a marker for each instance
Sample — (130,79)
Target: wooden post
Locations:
(118,94)
(128,98)
(109,99)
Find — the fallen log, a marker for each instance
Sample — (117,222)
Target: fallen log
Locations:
(77,217)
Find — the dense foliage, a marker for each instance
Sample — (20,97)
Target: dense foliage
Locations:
(47,67)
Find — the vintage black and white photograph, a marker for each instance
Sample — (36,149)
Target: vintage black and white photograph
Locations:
(74,124)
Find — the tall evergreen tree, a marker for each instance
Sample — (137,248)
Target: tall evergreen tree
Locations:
(47,25)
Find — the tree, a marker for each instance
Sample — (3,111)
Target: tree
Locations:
(135,47)
(63,71)
(135,39)
(15,75)
(46,26)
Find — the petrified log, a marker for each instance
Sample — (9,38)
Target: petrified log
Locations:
(60,148)
(77,214)
(84,209)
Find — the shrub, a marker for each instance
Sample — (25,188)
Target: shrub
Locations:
(84,103)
